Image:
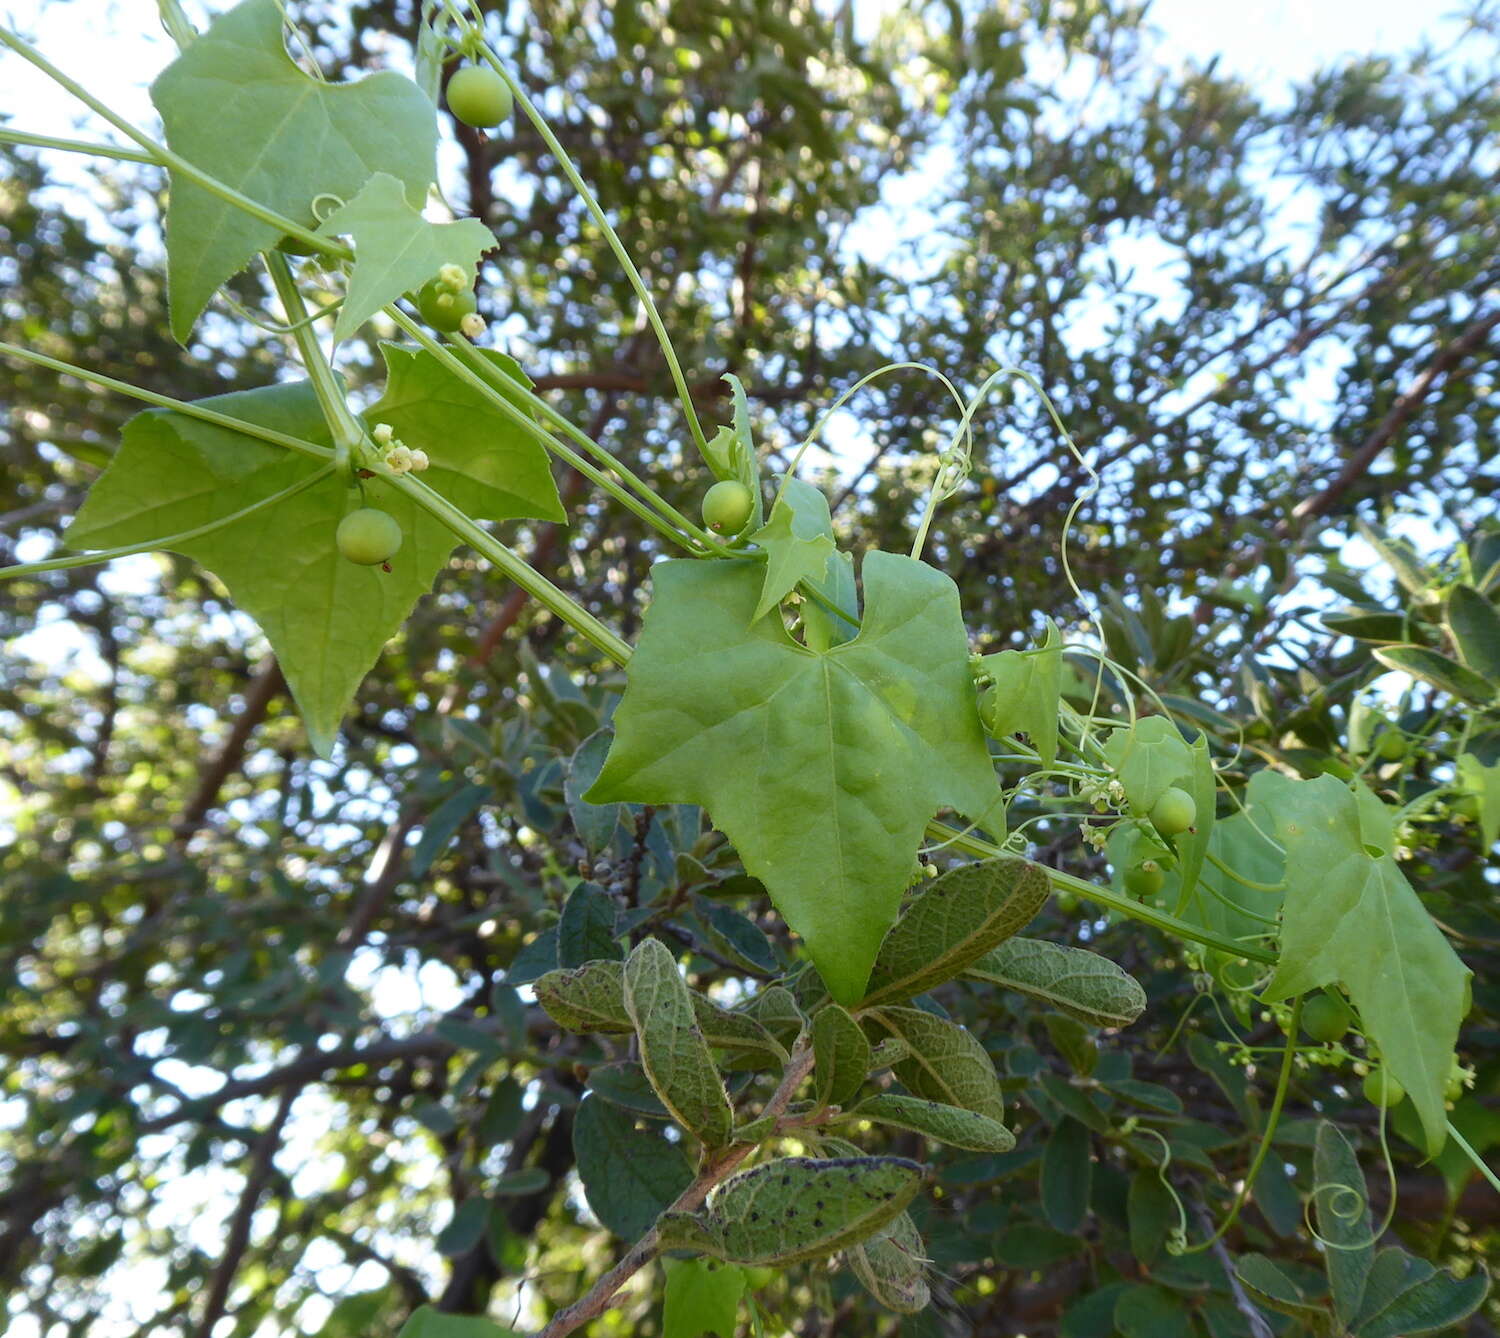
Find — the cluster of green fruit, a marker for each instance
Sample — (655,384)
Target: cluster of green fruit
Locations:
(1173,813)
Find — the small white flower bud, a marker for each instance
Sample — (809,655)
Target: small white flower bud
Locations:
(472,325)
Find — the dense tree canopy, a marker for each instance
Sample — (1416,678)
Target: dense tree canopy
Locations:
(273,1059)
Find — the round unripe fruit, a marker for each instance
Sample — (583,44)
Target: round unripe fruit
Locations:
(1390,746)
(479,97)
(1144,880)
(442,308)
(1383,1090)
(759,1277)
(727,507)
(1325,1018)
(1174,812)
(369,536)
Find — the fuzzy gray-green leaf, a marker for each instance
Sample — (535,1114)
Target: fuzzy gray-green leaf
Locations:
(674,1052)
(1073,980)
(948,1124)
(841,1056)
(588,998)
(893,1267)
(945,1064)
(796,1208)
(956,919)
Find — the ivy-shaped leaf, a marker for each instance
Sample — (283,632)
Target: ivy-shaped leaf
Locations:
(954,921)
(1228,908)
(396,249)
(841,1056)
(326,618)
(822,630)
(674,1053)
(948,1124)
(798,540)
(1020,693)
(236,105)
(1352,918)
(701,1296)
(822,768)
(795,1208)
(893,1267)
(1073,980)
(945,1063)
(1148,758)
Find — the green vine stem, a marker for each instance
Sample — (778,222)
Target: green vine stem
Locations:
(184,407)
(478,378)
(536,585)
(60,145)
(163,156)
(1103,896)
(167,541)
(476,32)
(346,429)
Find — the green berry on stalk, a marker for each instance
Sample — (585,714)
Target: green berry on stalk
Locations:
(368,536)
(1325,1018)
(479,97)
(1382,1089)
(1145,879)
(1391,746)
(727,507)
(1174,812)
(442,308)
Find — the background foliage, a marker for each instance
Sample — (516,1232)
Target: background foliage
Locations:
(287,988)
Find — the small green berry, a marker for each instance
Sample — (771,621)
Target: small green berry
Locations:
(368,536)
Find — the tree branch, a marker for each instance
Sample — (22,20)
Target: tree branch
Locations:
(258,697)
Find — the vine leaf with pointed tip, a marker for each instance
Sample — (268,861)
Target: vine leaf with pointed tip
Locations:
(944,1063)
(327,618)
(822,768)
(1148,757)
(954,921)
(1073,980)
(396,249)
(1352,918)
(798,540)
(1022,692)
(674,1052)
(892,1265)
(236,105)
(841,1056)
(795,1209)
(948,1124)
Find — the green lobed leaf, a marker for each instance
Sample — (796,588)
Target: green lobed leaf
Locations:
(1449,676)
(841,1056)
(701,1296)
(839,758)
(674,1052)
(237,106)
(822,630)
(630,1173)
(892,1265)
(796,1208)
(1073,980)
(948,1124)
(586,929)
(952,922)
(1352,918)
(586,998)
(1474,625)
(396,249)
(798,541)
(945,1063)
(1023,691)
(1148,758)
(1341,1206)
(1230,909)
